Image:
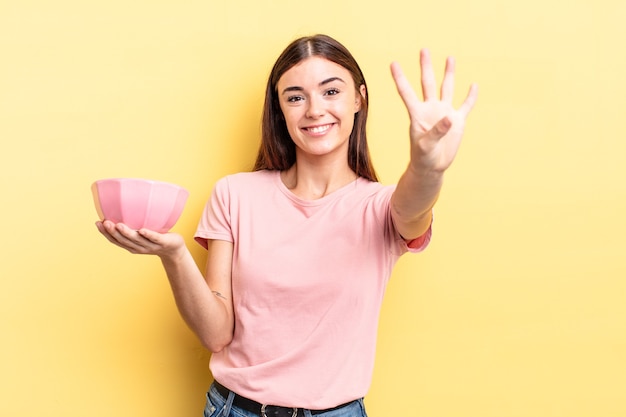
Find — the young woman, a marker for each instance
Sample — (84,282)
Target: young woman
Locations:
(300,250)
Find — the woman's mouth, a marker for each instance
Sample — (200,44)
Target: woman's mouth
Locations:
(318,130)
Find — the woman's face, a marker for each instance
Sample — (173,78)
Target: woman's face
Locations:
(318,100)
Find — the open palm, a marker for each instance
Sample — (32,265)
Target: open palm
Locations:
(436,127)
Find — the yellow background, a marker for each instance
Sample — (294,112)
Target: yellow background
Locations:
(518,308)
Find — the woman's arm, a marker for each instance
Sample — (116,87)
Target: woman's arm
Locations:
(436,128)
(205,303)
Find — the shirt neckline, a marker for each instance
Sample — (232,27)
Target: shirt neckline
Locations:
(317,202)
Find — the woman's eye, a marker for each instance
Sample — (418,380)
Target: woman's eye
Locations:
(332,92)
(294,99)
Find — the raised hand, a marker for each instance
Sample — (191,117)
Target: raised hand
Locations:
(436,127)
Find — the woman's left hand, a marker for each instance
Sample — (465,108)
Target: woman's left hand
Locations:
(436,127)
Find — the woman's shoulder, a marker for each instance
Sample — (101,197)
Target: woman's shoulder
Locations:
(374,188)
(247,180)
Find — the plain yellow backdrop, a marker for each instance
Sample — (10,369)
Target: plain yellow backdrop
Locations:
(518,308)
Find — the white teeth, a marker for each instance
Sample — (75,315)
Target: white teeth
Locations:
(319,129)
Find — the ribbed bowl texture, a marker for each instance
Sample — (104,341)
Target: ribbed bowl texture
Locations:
(139,203)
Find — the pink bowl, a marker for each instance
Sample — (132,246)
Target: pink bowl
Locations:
(139,203)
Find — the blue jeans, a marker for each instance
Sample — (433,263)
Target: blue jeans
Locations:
(218,406)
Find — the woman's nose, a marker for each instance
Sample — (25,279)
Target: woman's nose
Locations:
(315,109)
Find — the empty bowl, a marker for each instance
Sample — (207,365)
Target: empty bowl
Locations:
(139,203)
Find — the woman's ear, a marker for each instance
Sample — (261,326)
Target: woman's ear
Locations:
(360,98)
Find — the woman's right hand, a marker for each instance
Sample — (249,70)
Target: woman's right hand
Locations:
(143,241)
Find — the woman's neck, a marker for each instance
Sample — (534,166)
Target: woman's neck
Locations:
(312,182)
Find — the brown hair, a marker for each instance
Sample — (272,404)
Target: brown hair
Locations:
(277,150)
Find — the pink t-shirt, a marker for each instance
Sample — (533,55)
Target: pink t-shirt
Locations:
(308,280)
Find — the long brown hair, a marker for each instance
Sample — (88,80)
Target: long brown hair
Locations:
(277,150)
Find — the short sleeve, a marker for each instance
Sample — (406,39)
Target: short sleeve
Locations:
(420,243)
(215,222)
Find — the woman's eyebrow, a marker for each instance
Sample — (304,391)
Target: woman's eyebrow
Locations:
(330,80)
(326,81)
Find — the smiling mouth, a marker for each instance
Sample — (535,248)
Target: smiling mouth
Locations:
(318,129)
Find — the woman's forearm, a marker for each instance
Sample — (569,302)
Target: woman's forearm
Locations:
(207,314)
(412,202)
